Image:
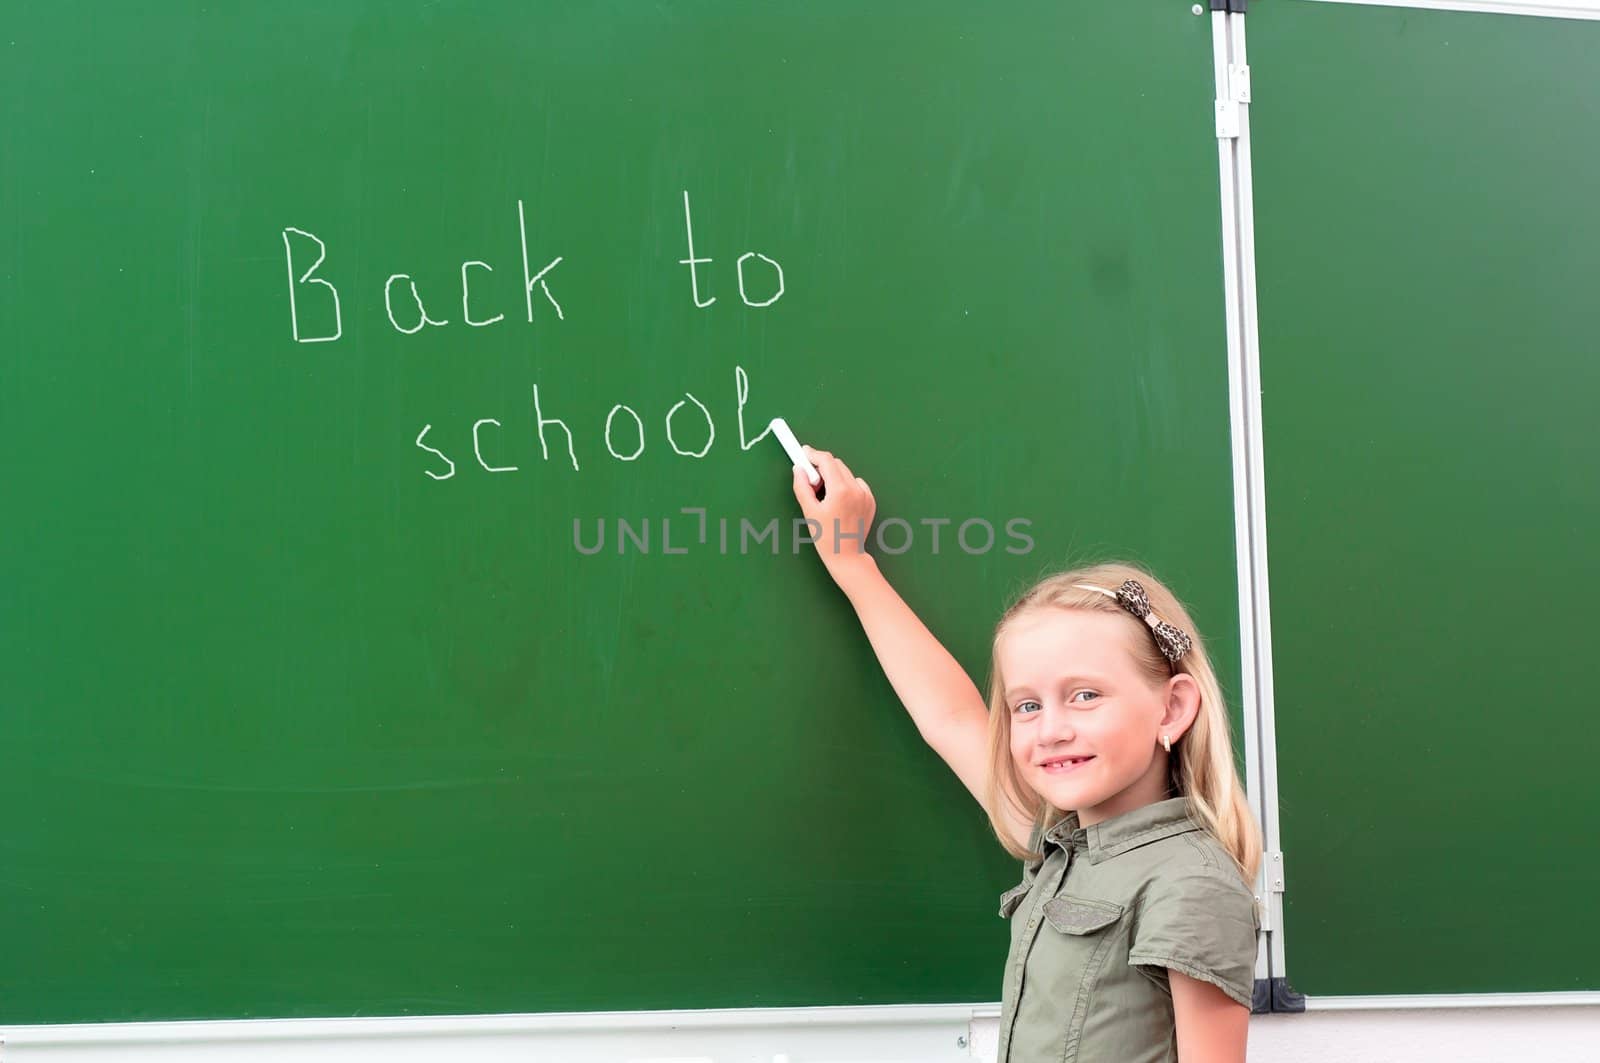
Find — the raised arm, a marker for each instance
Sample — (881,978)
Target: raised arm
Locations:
(942,699)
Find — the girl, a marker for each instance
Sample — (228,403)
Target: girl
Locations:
(1104,761)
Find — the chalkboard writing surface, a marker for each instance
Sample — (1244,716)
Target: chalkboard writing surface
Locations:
(1427,252)
(309,712)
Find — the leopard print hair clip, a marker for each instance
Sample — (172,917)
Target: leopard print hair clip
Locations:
(1132,597)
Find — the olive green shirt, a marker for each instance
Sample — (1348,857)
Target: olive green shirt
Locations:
(1096,922)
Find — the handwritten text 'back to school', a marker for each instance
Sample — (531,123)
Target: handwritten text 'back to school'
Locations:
(314,297)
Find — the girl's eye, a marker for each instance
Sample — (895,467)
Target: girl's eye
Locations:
(1022,706)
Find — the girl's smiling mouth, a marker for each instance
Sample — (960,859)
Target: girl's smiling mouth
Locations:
(1061,765)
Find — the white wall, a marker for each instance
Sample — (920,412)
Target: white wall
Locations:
(1456,1035)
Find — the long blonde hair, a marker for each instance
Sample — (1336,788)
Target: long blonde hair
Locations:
(1203,768)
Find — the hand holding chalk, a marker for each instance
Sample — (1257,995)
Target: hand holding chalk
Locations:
(843,514)
(791,445)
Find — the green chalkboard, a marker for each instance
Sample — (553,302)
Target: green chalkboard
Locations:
(1428,251)
(297,722)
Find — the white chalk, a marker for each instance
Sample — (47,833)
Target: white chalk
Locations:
(791,446)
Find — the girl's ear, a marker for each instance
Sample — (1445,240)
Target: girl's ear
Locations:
(1183,705)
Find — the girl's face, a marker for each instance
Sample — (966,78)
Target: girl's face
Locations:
(1074,691)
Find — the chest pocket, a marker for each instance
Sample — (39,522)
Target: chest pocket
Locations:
(1013,897)
(1080,915)
(1068,961)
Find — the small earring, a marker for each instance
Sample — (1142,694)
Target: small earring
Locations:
(1166,743)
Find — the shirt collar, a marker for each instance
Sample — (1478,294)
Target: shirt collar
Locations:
(1124,831)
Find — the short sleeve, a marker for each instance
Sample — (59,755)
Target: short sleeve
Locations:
(1201,924)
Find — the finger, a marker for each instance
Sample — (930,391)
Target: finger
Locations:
(815,453)
(818,458)
(828,466)
(845,468)
(804,493)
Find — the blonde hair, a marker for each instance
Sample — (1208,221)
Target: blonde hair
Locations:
(1202,760)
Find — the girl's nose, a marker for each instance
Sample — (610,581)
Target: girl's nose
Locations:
(1055,726)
